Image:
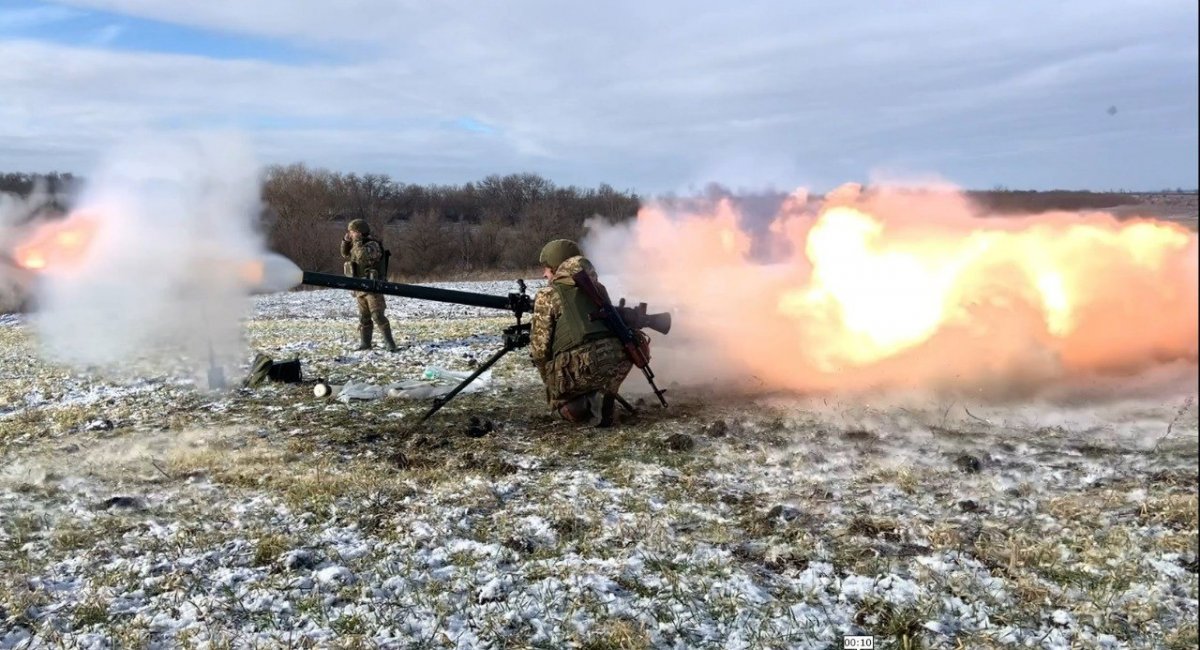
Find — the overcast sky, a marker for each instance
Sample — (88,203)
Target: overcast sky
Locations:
(644,95)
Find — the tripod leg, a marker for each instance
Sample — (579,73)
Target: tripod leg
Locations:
(443,400)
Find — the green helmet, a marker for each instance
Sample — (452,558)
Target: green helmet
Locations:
(359,225)
(558,251)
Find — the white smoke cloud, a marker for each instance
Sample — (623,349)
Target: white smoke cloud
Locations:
(162,279)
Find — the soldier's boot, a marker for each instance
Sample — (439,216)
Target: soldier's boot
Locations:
(364,336)
(578,409)
(608,410)
(385,328)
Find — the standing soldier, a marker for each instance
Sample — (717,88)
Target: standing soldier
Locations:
(581,361)
(366,259)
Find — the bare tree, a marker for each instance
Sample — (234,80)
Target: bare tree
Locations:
(424,248)
(539,223)
(482,244)
(300,216)
(364,197)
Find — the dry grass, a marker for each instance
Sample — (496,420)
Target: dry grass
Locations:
(788,493)
(617,635)
(1177,511)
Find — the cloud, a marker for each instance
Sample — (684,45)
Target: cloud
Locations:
(651,96)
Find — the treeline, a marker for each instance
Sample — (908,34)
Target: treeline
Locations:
(57,190)
(1001,200)
(23,184)
(497,223)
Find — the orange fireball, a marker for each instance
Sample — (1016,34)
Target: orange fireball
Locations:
(57,245)
(887,292)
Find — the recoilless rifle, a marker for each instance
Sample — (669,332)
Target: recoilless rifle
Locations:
(623,321)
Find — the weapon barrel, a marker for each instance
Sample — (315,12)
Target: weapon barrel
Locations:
(513,302)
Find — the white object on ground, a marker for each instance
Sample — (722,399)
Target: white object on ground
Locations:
(323,389)
(411,389)
(360,390)
(436,372)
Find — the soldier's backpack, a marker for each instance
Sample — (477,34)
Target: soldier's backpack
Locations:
(384,259)
(287,372)
(381,272)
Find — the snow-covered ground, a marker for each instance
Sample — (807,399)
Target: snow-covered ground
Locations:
(144,512)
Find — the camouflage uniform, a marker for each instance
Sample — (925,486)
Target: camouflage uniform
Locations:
(365,257)
(595,365)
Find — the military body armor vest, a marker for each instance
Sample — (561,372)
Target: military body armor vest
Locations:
(574,328)
(380,270)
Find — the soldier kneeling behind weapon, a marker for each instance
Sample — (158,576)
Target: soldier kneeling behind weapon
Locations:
(580,359)
(367,258)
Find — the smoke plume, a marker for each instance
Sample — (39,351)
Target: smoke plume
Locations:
(151,264)
(905,289)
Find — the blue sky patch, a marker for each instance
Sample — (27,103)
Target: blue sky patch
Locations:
(473,125)
(80,27)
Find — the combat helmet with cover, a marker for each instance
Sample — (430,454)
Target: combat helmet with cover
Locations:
(557,252)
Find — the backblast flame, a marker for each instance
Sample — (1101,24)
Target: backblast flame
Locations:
(251,273)
(62,246)
(57,245)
